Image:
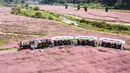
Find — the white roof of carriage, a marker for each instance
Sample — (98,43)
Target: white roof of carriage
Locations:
(112,40)
(62,38)
(87,37)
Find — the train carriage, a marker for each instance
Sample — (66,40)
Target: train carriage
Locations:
(62,40)
(87,40)
(44,43)
(112,43)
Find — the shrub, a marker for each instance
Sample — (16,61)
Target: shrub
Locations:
(78,7)
(12,12)
(122,28)
(94,5)
(18,9)
(52,13)
(72,24)
(36,8)
(82,20)
(13,8)
(86,8)
(38,15)
(27,5)
(99,24)
(23,13)
(50,17)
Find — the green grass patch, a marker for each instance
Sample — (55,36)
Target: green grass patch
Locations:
(35,13)
(93,5)
(3,42)
(102,26)
(124,11)
(8,49)
(41,14)
(1,4)
(127,50)
(87,24)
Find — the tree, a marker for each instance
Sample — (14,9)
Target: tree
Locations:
(106,9)
(86,8)
(120,4)
(78,7)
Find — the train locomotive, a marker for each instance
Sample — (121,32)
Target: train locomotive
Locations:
(34,44)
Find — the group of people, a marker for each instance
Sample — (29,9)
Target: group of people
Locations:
(44,43)
(77,42)
(62,42)
(86,42)
(111,45)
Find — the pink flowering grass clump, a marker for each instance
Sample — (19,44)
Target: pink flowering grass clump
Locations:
(78,60)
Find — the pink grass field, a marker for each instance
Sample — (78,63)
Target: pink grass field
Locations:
(95,14)
(79,59)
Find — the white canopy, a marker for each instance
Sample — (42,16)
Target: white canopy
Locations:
(112,40)
(63,38)
(87,37)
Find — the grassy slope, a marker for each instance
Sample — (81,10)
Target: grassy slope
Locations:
(91,25)
(102,26)
(45,14)
(95,6)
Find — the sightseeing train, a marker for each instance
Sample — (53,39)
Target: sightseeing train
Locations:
(72,40)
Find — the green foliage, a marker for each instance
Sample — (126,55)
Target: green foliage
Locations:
(86,8)
(16,10)
(1,4)
(12,12)
(122,6)
(93,6)
(2,42)
(97,4)
(102,26)
(82,21)
(26,5)
(36,8)
(38,15)
(78,7)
